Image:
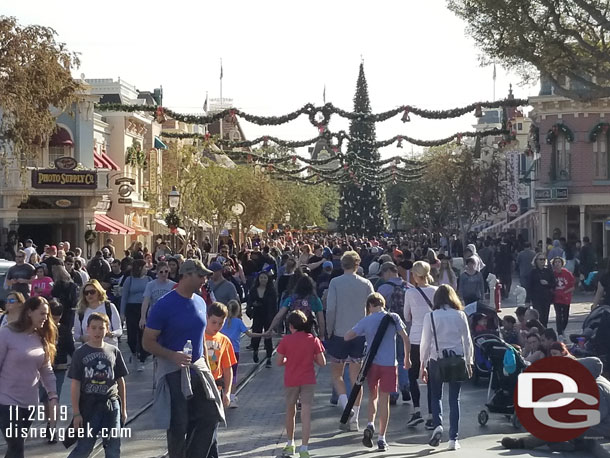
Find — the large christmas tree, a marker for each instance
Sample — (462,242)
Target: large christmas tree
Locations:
(363,208)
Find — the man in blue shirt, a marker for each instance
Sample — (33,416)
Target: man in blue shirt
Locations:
(179,316)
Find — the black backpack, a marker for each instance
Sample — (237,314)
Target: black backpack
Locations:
(81,317)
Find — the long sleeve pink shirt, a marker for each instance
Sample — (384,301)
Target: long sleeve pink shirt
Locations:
(22,366)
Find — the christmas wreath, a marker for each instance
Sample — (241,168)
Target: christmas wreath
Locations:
(90,236)
(172,220)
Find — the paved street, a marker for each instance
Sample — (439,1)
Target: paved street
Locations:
(256,428)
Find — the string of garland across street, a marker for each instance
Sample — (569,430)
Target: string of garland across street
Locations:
(352,167)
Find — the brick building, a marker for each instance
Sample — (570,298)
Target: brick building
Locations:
(572,191)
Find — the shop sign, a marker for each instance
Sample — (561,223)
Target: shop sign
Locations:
(524,191)
(551,194)
(65,163)
(123,200)
(63,203)
(64,179)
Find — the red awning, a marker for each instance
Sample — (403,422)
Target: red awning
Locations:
(61,137)
(105,223)
(103,161)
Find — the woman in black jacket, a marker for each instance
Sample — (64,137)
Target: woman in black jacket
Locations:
(262,306)
(540,287)
(66,293)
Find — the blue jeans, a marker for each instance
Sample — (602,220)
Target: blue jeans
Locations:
(403,374)
(60,376)
(436,391)
(101,418)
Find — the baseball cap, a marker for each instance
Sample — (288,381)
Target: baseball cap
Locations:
(374,250)
(374,268)
(216,266)
(29,241)
(194,266)
(397,253)
(388,266)
(337,251)
(327,264)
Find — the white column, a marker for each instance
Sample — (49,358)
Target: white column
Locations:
(582,231)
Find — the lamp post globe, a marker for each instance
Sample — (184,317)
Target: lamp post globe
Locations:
(173,198)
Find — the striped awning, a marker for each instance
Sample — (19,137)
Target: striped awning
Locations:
(495,228)
(107,224)
(481,225)
(527,220)
(103,161)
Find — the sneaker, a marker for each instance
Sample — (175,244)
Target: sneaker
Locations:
(454,445)
(268,363)
(288,450)
(393,399)
(304,454)
(351,425)
(367,439)
(141,367)
(382,445)
(406,395)
(512,443)
(255,357)
(429,425)
(435,439)
(334,401)
(234,404)
(415,420)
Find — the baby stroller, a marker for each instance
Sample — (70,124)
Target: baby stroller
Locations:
(476,311)
(503,384)
(594,340)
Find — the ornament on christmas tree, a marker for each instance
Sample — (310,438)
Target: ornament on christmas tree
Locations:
(249,158)
(294,159)
(207,136)
(458,139)
(478,112)
(405,116)
(270,167)
(399,144)
(265,141)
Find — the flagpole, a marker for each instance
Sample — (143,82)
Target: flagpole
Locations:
(221,103)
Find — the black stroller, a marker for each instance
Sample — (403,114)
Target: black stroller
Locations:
(503,384)
(482,364)
(594,340)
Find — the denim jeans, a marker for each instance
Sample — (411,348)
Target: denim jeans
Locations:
(60,376)
(436,391)
(193,423)
(403,374)
(102,417)
(15,443)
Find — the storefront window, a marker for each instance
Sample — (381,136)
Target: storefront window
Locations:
(561,158)
(600,157)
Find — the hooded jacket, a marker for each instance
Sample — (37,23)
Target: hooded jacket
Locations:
(479,265)
(595,366)
(556,251)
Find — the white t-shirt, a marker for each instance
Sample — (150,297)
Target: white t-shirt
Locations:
(416,309)
(116,328)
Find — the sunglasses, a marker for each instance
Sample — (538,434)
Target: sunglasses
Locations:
(90,292)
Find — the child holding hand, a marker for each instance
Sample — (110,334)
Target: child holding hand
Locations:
(298,351)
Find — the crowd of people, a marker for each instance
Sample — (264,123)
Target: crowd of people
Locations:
(328,296)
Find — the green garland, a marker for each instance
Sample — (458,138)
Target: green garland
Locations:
(318,116)
(135,156)
(600,127)
(336,140)
(554,131)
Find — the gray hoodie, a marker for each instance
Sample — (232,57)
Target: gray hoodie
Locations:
(595,366)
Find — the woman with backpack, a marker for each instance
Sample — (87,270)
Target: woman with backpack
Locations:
(93,299)
(262,305)
(303,298)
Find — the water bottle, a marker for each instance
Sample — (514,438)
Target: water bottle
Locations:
(188,348)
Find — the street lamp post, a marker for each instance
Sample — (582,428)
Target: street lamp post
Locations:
(238,209)
(13,235)
(90,237)
(173,200)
